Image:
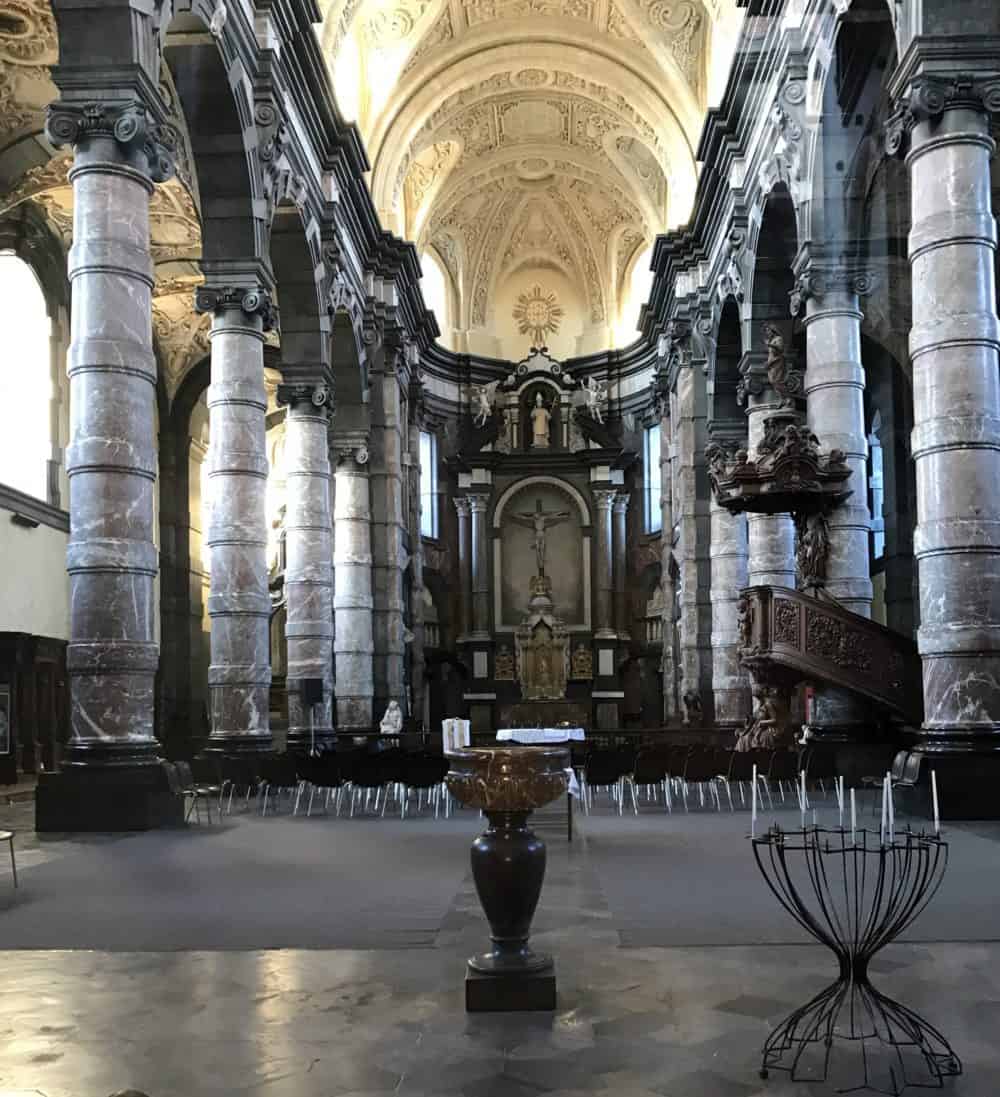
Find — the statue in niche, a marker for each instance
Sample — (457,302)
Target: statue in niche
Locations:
(541,417)
(540,520)
(693,713)
(582,662)
(542,661)
(503,664)
(786,381)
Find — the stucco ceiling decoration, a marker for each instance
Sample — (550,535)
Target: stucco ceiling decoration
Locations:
(516,135)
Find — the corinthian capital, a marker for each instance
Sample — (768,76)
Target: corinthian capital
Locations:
(146,143)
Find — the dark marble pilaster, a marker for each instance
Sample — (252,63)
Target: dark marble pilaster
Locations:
(239,606)
(309,571)
(463,510)
(111,461)
(604,500)
(352,556)
(478,503)
(417,589)
(620,557)
(668,659)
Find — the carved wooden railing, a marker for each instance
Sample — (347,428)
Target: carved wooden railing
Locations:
(809,639)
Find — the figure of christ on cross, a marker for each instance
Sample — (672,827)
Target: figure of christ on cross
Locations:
(540,520)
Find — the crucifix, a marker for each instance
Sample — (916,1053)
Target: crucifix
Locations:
(540,520)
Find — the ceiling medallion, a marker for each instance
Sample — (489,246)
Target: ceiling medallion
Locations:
(537,313)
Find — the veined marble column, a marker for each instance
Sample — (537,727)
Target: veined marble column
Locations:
(239,675)
(954,346)
(691,508)
(388,536)
(111,460)
(352,559)
(770,537)
(604,500)
(834,388)
(463,510)
(730,683)
(309,570)
(478,502)
(620,554)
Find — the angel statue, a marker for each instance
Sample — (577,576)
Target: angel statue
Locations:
(597,396)
(540,520)
(484,396)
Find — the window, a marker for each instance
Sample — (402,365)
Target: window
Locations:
(25,382)
(651,479)
(428,485)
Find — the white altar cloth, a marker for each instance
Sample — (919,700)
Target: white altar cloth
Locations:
(541,735)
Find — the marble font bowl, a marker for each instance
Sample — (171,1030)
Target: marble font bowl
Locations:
(508,778)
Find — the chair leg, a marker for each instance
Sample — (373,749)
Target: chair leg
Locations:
(635,802)
(13,863)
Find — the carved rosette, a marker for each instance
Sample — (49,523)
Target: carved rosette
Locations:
(130,125)
(930,97)
(252,301)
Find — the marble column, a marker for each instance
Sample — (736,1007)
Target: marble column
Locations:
(730,683)
(463,510)
(620,564)
(668,659)
(770,537)
(691,512)
(239,606)
(388,533)
(834,388)
(478,503)
(352,559)
(309,568)
(111,459)
(954,346)
(604,500)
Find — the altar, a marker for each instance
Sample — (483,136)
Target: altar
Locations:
(530,736)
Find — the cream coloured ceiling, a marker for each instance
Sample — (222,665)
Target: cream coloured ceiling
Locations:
(528,144)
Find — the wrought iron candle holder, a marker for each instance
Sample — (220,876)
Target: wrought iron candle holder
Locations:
(856,894)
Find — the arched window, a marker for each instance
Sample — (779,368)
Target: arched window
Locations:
(876,488)
(434,285)
(25,380)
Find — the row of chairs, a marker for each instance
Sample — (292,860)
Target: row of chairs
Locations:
(660,774)
(349,780)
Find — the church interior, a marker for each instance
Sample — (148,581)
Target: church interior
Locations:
(422,416)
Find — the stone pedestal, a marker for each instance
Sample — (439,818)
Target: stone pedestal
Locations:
(111,464)
(239,675)
(508,866)
(353,642)
(309,572)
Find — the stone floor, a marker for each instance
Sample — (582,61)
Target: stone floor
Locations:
(633,1022)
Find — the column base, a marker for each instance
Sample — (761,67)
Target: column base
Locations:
(521,992)
(967,786)
(112,798)
(238,743)
(306,740)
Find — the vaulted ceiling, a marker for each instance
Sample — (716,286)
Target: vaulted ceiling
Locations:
(529,145)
